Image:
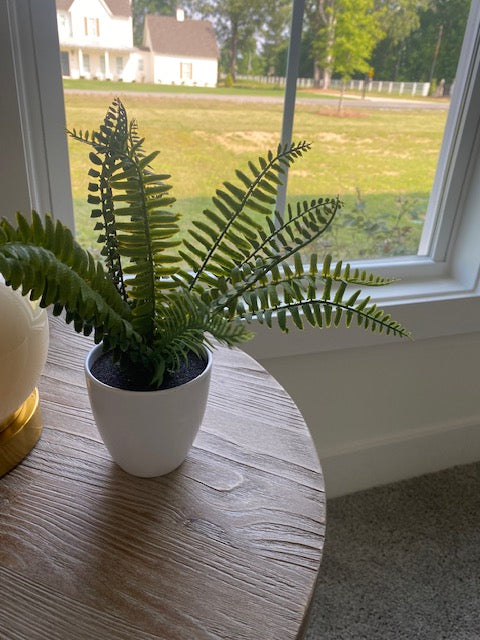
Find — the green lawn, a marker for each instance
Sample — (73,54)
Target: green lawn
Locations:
(380,162)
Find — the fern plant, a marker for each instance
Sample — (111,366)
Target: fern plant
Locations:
(155,299)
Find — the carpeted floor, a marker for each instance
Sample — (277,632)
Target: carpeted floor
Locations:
(402,562)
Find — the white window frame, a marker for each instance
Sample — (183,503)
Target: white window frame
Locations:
(438,293)
(34,169)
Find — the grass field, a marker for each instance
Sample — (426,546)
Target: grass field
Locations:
(380,162)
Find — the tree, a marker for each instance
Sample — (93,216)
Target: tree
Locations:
(275,35)
(345,34)
(357,31)
(400,18)
(140,8)
(236,22)
(419,47)
(432,51)
(319,34)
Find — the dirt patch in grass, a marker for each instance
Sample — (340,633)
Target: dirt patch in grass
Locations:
(241,141)
(344,113)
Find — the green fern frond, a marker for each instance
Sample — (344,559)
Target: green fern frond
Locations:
(44,261)
(355,276)
(186,324)
(320,300)
(138,226)
(234,205)
(110,148)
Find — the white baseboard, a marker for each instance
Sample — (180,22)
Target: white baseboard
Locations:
(362,465)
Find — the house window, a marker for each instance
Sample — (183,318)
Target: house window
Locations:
(102,64)
(186,71)
(92,26)
(64,25)
(65,63)
(119,65)
(141,64)
(86,63)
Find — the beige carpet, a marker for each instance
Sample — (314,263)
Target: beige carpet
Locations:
(403,562)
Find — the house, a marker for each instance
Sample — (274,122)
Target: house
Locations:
(183,51)
(96,40)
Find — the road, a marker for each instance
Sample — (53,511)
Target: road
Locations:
(349,101)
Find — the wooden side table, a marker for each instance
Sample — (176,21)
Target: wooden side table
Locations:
(226,547)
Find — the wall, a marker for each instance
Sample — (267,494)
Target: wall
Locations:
(111,30)
(167,71)
(382,413)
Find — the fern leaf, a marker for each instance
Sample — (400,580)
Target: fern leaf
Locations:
(255,192)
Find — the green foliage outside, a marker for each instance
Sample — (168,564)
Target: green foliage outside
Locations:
(407,40)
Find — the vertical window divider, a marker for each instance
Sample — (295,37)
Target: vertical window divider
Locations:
(293,61)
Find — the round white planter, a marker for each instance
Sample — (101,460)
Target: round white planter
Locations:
(148,433)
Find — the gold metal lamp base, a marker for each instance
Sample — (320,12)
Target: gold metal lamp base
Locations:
(19,433)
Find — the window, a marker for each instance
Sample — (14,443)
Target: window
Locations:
(119,65)
(102,64)
(64,26)
(444,275)
(86,63)
(361,232)
(65,63)
(92,26)
(186,70)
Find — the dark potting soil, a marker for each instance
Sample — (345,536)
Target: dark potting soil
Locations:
(135,379)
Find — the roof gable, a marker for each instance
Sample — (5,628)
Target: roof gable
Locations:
(117,7)
(63,5)
(190,38)
(120,7)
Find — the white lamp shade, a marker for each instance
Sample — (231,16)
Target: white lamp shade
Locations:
(23,348)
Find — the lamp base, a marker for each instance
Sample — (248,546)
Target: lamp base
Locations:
(19,433)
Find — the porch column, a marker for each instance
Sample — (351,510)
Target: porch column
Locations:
(107,65)
(80,63)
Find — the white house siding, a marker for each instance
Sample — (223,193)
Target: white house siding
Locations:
(98,45)
(199,72)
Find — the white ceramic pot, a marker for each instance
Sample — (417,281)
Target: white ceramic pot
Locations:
(148,433)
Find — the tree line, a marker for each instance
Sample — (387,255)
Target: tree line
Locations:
(398,40)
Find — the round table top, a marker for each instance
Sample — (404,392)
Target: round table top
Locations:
(228,546)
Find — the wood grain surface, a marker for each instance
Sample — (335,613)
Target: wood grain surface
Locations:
(226,547)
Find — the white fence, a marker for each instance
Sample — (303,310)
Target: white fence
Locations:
(369,86)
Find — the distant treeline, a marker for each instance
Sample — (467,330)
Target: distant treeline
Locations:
(399,40)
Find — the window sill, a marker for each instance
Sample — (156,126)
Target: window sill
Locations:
(428,307)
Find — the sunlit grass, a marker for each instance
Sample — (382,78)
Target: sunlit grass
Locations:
(382,154)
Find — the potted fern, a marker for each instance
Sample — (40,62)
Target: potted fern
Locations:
(157,304)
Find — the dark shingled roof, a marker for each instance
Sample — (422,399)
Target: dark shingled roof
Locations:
(117,7)
(194,38)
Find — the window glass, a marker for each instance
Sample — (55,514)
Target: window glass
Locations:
(119,65)
(375,138)
(186,71)
(86,62)
(65,63)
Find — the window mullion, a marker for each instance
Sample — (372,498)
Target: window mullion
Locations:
(293,62)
